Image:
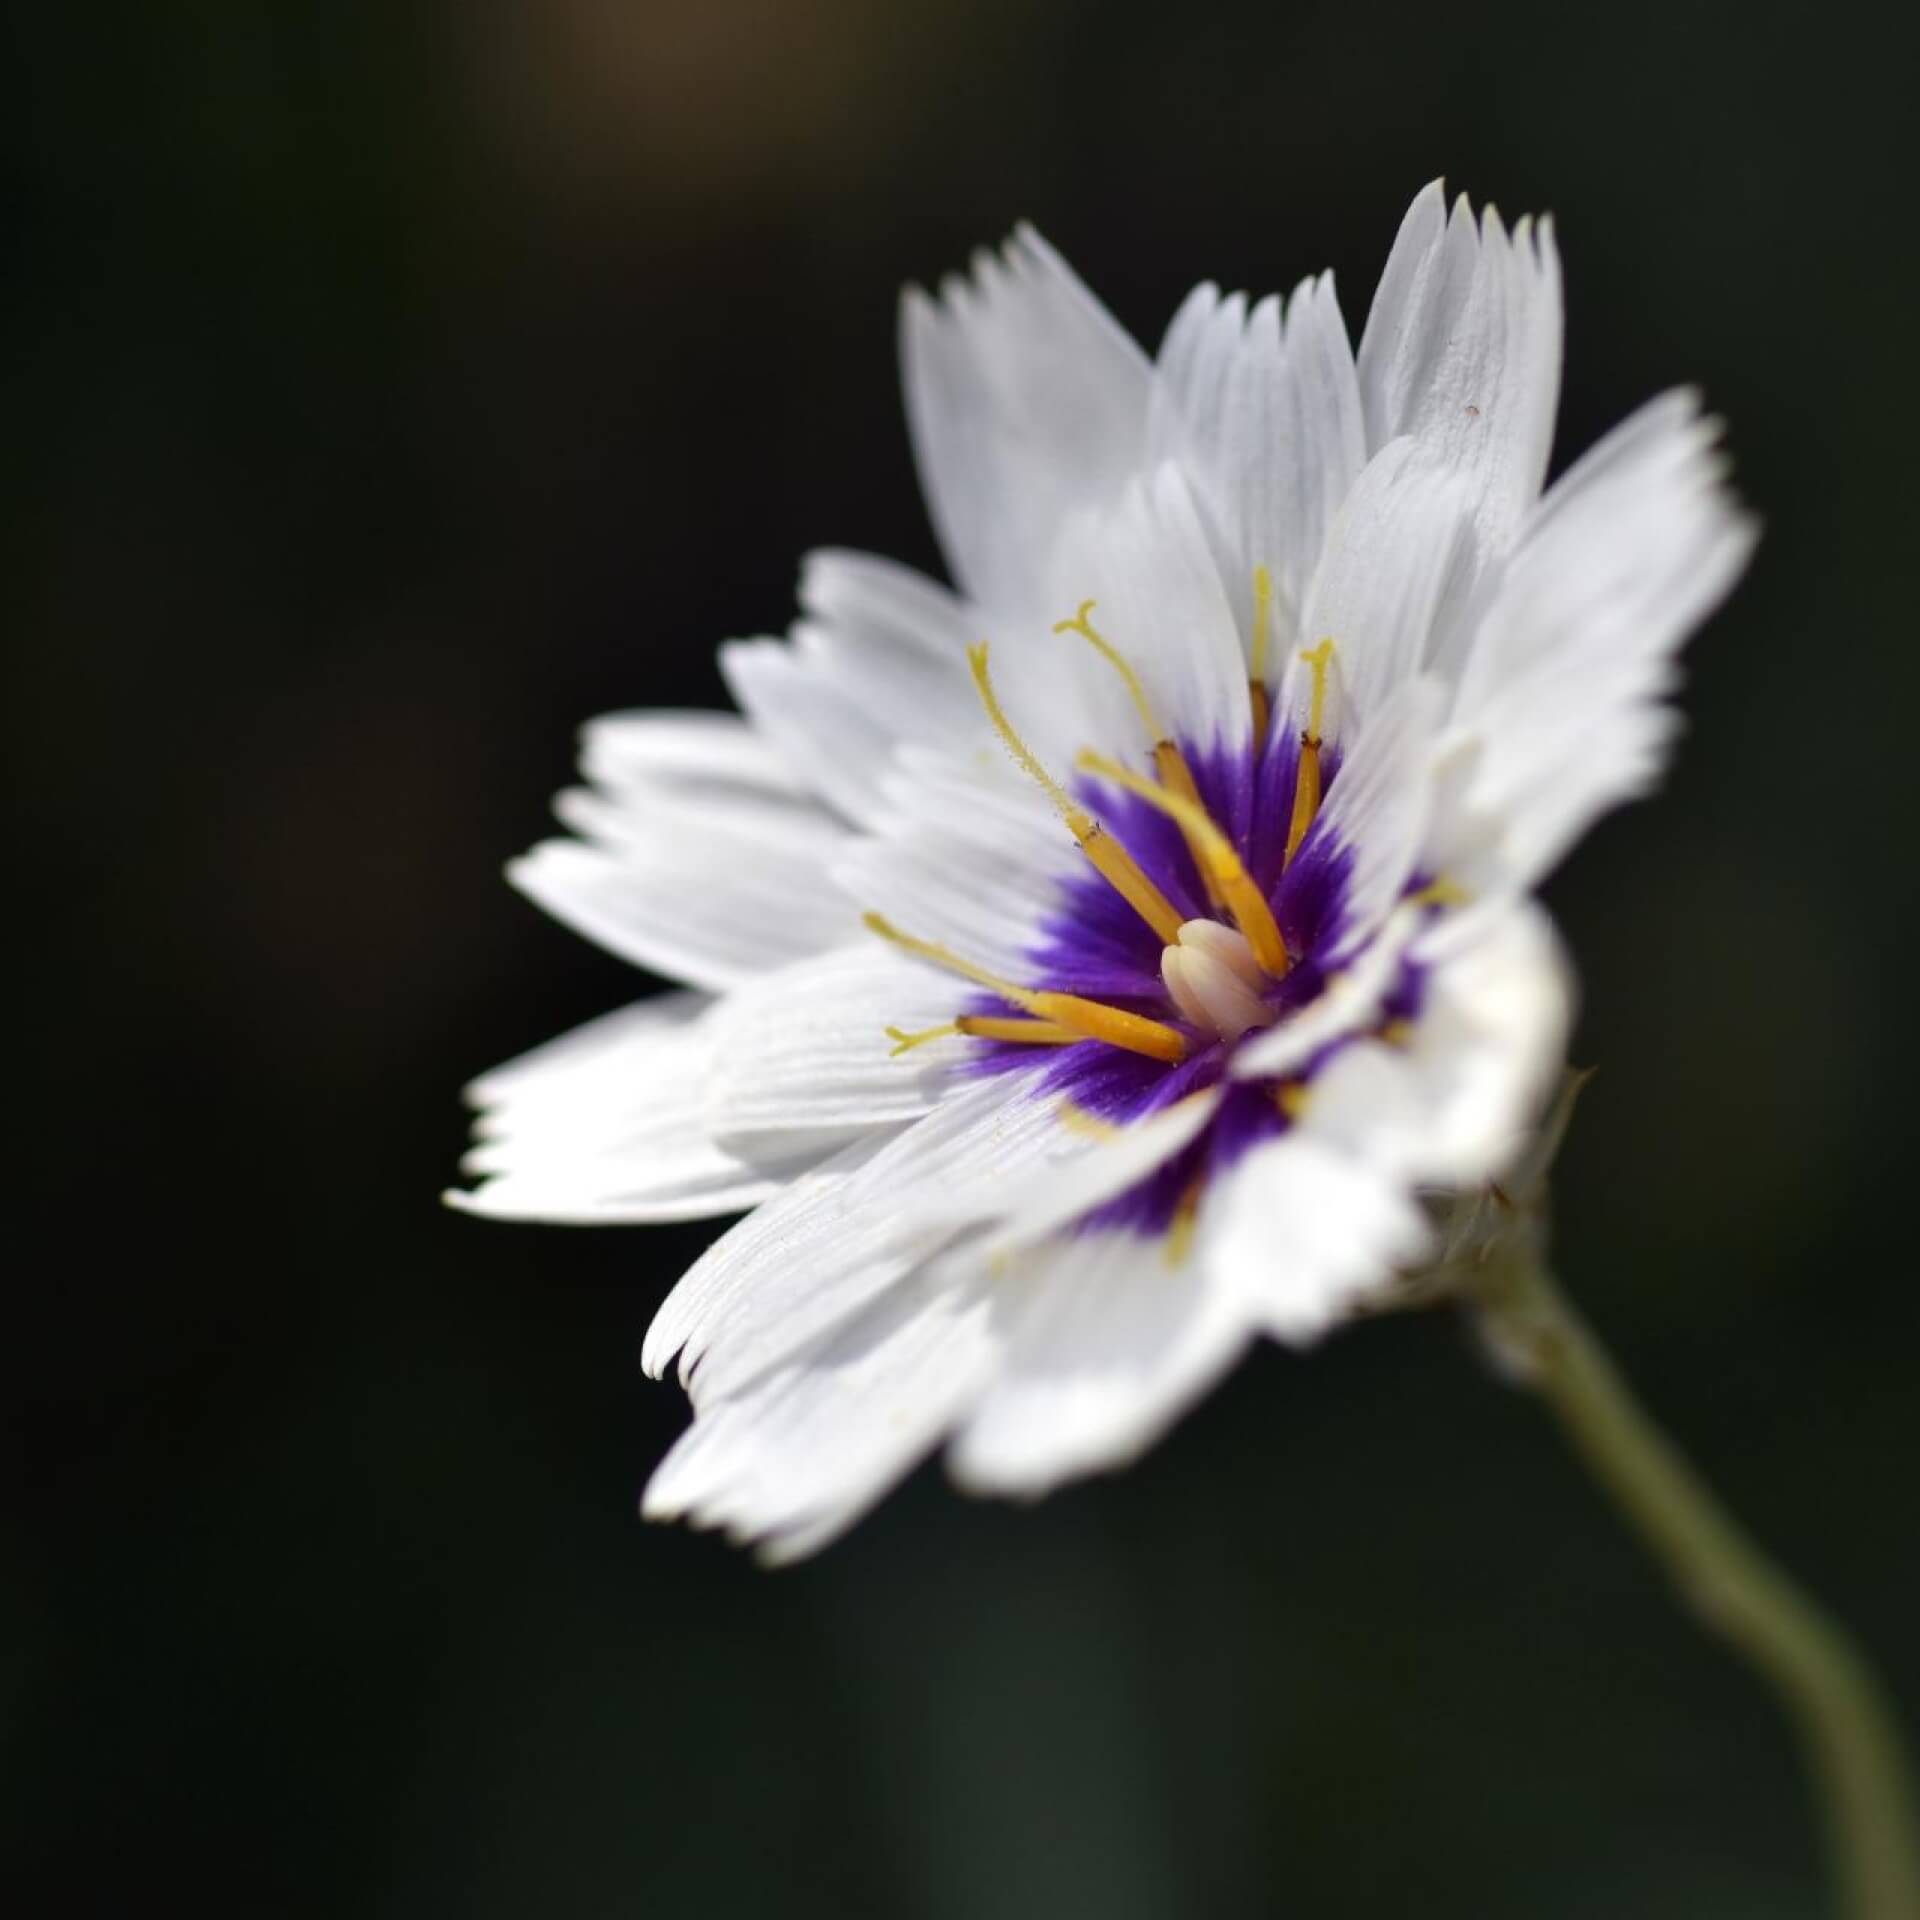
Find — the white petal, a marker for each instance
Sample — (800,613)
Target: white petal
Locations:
(1027,403)
(879,660)
(701,857)
(686,755)
(1353,1000)
(798,1455)
(840,1235)
(1454,1103)
(1389,581)
(825,735)
(1562,700)
(802,1055)
(605,1124)
(1462,350)
(1266,418)
(1054,1196)
(1302,1234)
(1104,1343)
(703,897)
(1378,808)
(967,855)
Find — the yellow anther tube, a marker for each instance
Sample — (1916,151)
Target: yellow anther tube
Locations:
(1083,1019)
(905,1042)
(1306,784)
(1030,1033)
(1262,646)
(1177,777)
(1216,857)
(1110,859)
(976,1026)
(1262,623)
(1168,761)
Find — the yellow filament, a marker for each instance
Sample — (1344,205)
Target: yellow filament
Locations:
(1122,873)
(1076,1119)
(1440,893)
(1090,1019)
(1306,798)
(1262,625)
(1320,659)
(1397,1033)
(1290,1096)
(1185,1216)
(905,1042)
(1097,1021)
(1024,757)
(1217,858)
(1175,775)
(1117,660)
(1306,783)
(1168,761)
(1262,646)
(1031,1033)
(1110,860)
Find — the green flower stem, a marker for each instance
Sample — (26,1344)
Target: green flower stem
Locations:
(1736,1591)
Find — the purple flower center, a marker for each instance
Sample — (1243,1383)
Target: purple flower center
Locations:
(1093,944)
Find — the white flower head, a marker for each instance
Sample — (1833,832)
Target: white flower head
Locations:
(1089,968)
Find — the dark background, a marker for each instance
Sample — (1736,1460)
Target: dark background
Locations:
(390,387)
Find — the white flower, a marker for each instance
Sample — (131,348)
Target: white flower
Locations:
(1184,851)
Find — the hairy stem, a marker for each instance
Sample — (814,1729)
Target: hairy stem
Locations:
(1735,1590)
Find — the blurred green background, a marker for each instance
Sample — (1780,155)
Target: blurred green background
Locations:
(391,386)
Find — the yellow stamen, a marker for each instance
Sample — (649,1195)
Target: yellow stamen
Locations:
(1217,858)
(1440,893)
(1291,1096)
(1089,1019)
(1306,798)
(1185,1216)
(1320,659)
(1117,660)
(1094,1020)
(1168,761)
(1076,1119)
(1306,784)
(1262,646)
(905,1042)
(1122,873)
(1024,756)
(1262,626)
(1029,1033)
(1397,1033)
(1110,859)
(1177,777)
